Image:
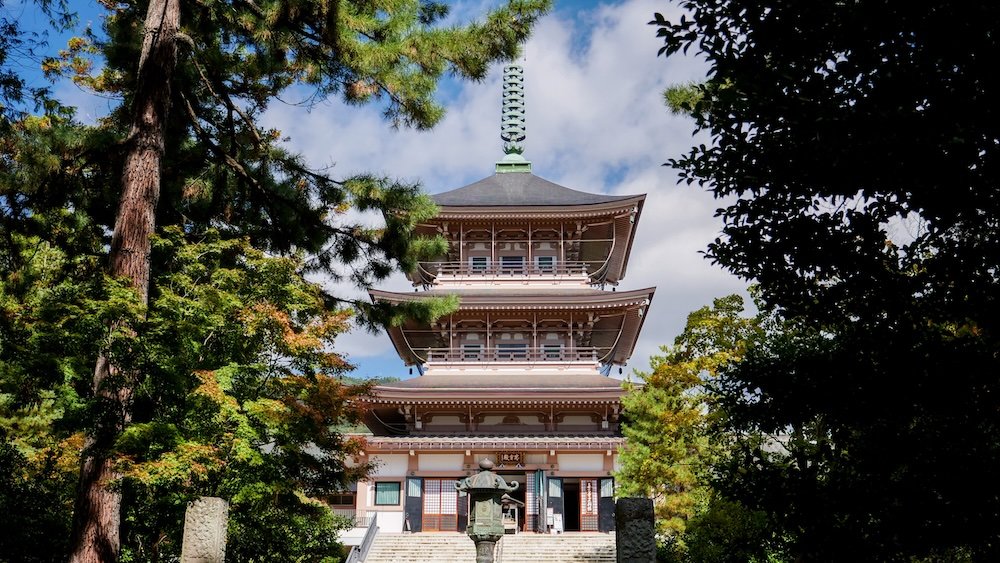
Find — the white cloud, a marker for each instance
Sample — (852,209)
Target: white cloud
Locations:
(596,122)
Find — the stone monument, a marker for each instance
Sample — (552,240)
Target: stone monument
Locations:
(635,531)
(205,524)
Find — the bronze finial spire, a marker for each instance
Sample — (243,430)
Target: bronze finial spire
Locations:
(512,122)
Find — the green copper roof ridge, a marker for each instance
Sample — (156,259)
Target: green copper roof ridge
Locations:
(512,122)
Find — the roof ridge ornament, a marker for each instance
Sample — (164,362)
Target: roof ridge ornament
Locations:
(512,122)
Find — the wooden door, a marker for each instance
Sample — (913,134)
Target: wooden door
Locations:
(440,506)
(606,506)
(413,505)
(556,503)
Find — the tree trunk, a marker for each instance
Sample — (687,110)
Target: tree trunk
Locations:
(98,507)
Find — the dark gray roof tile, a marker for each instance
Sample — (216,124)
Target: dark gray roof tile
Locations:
(519,189)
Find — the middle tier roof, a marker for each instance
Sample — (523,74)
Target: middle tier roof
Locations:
(590,325)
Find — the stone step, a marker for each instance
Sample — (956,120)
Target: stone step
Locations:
(521,548)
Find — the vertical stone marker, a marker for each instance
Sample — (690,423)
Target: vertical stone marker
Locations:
(205,524)
(635,533)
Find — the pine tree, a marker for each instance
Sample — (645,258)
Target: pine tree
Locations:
(195,80)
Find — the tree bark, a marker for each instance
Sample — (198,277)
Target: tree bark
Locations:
(97,513)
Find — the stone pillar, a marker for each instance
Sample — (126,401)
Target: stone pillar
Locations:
(205,524)
(635,532)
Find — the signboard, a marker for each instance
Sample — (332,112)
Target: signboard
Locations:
(589,496)
(506,458)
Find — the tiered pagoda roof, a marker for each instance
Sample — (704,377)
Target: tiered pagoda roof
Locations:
(523,191)
(616,317)
(525,258)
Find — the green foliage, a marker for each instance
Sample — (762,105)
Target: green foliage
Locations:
(855,147)
(667,448)
(17,96)
(240,399)
(223,168)
(682,99)
(239,396)
(722,531)
(674,449)
(34,493)
(235,389)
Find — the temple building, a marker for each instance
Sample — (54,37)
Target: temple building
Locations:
(520,372)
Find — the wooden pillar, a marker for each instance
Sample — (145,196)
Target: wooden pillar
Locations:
(571,345)
(529,262)
(562,243)
(534,335)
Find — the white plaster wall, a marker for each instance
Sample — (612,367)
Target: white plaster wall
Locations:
(390,522)
(440,462)
(577,420)
(389,465)
(581,462)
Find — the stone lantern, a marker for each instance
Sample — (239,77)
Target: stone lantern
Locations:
(485,490)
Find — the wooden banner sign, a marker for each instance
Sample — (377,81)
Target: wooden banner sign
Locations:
(589,496)
(505,458)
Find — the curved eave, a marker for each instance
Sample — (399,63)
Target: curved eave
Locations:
(492,299)
(536,443)
(540,211)
(498,396)
(631,237)
(630,305)
(631,328)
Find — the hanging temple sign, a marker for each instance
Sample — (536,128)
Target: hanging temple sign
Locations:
(512,122)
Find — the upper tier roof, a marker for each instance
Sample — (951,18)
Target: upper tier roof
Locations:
(520,189)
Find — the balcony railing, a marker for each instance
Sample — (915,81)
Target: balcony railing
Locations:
(362,520)
(499,269)
(360,552)
(511,354)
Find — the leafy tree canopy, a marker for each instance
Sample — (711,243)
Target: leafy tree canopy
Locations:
(667,452)
(672,451)
(857,145)
(223,169)
(225,380)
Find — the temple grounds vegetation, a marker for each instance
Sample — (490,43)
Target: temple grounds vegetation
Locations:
(855,147)
(156,326)
(154,313)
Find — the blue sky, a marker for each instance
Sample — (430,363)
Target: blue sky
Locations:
(596,122)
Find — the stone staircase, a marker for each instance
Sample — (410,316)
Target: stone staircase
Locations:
(563,548)
(521,548)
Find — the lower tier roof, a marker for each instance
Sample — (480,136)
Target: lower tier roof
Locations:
(522,389)
(539,442)
(520,381)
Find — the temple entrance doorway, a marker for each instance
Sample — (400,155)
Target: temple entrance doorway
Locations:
(571,511)
(519,496)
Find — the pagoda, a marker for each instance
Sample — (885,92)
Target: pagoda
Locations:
(519,373)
